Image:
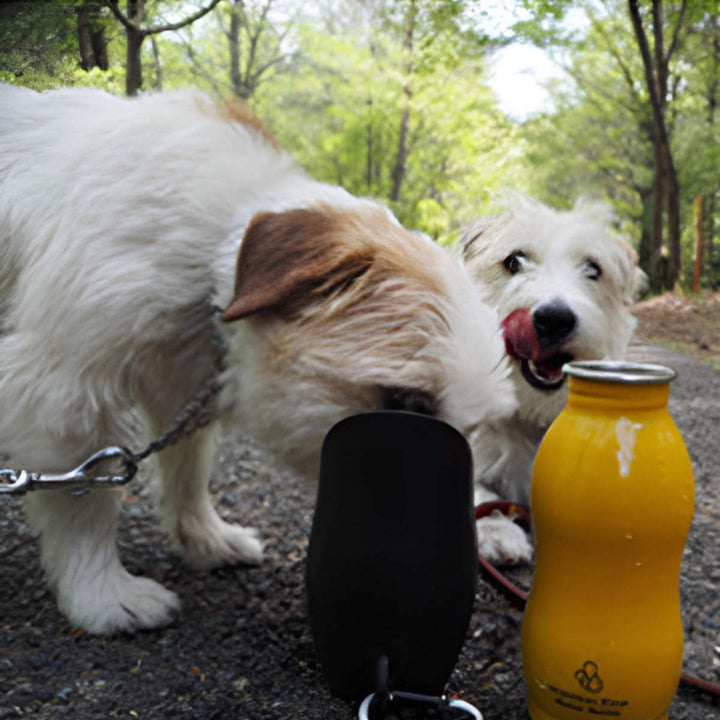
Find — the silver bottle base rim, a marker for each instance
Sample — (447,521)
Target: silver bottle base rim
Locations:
(619,371)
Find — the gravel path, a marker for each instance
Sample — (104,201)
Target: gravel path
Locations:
(243,649)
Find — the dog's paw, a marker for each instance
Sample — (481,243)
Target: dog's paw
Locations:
(501,541)
(214,542)
(118,602)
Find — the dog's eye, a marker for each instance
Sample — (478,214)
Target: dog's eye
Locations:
(592,270)
(513,262)
(399,398)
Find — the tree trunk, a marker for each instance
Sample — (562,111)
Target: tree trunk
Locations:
(645,248)
(91,37)
(398,173)
(369,147)
(698,243)
(234,43)
(135,34)
(87,54)
(667,191)
(135,37)
(711,263)
(672,193)
(654,269)
(157,63)
(133,70)
(709,200)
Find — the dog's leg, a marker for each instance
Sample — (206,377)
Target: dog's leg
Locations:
(169,377)
(500,540)
(50,421)
(81,562)
(204,539)
(503,462)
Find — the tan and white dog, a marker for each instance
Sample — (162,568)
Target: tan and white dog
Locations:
(561,282)
(120,224)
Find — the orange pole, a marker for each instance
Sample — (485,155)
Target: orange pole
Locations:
(698,246)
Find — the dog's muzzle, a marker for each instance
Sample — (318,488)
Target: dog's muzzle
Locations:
(554,323)
(537,341)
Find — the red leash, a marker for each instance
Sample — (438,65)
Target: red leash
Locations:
(519,597)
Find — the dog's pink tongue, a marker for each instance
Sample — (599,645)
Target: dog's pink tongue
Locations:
(519,334)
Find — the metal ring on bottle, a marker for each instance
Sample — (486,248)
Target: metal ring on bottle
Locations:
(619,371)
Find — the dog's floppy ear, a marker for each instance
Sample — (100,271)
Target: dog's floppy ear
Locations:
(288,258)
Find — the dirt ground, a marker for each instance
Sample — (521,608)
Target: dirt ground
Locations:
(243,649)
(690,324)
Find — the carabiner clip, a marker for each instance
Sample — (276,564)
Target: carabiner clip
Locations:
(12,482)
(82,478)
(113,452)
(79,480)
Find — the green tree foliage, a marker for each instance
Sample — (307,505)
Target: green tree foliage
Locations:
(39,45)
(243,44)
(37,40)
(633,117)
(390,98)
(697,146)
(596,139)
(342,108)
(137,30)
(334,90)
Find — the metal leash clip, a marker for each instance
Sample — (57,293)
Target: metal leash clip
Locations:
(374,705)
(79,480)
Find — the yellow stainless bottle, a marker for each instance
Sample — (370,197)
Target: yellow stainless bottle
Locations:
(612,500)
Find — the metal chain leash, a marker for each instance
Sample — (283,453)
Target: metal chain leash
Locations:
(198,413)
(195,415)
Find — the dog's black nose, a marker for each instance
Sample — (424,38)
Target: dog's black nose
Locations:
(554,322)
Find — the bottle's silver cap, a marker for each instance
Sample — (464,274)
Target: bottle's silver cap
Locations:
(619,371)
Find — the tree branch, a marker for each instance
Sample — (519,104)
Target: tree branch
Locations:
(292,21)
(642,41)
(197,69)
(659,38)
(612,47)
(254,77)
(225,31)
(255,37)
(127,23)
(182,23)
(676,33)
(135,27)
(589,88)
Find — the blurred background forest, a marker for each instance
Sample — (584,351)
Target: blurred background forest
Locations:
(414,101)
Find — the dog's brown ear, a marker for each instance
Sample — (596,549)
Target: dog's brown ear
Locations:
(288,258)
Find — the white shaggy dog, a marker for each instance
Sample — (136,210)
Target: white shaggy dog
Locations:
(561,282)
(120,223)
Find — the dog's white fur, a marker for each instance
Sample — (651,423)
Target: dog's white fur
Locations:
(557,246)
(120,222)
